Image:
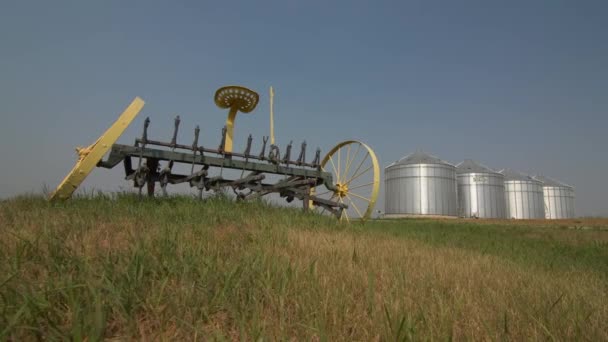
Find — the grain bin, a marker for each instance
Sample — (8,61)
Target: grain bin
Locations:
(558,198)
(420,184)
(481,191)
(523,196)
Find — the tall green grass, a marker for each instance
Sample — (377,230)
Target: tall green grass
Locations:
(177,269)
(558,248)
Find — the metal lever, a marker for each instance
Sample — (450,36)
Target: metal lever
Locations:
(288,153)
(263,153)
(302,158)
(221,147)
(144,140)
(248,148)
(197,130)
(317,161)
(144,136)
(274,155)
(174,139)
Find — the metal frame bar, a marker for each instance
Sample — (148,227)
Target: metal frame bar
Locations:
(120,152)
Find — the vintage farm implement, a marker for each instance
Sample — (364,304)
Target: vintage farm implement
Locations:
(343,183)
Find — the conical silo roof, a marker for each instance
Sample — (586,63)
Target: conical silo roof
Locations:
(514,175)
(420,158)
(471,166)
(551,182)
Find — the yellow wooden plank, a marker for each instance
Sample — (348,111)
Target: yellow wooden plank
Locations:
(95,152)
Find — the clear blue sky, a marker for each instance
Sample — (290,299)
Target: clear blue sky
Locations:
(518,84)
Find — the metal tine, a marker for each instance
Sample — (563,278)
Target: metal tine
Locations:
(196,148)
(223,143)
(287,155)
(317,161)
(144,140)
(302,157)
(174,139)
(139,177)
(221,147)
(248,148)
(197,131)
(144,136)
(263,153)
(274,155)
(164,174)
(246,154)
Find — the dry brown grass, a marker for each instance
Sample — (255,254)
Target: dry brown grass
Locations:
(181,271)
(446,291)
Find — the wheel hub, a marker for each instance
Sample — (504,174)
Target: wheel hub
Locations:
(341,189)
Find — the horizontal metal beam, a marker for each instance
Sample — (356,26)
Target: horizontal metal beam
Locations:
(141,142)
(119,152)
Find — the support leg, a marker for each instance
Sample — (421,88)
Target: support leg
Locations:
(152,175)
(306,199)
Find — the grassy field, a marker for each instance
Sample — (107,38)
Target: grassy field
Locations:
(176,269)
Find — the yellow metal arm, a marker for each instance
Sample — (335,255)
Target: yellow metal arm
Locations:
(230,129)
(88,157)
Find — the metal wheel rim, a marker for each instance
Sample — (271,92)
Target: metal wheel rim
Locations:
(361,202)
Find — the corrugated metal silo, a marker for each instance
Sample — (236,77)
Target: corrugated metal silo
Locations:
(559,198)
(481,191)
(523,196)
(420,184)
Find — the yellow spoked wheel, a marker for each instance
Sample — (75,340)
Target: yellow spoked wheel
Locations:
(356,176)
